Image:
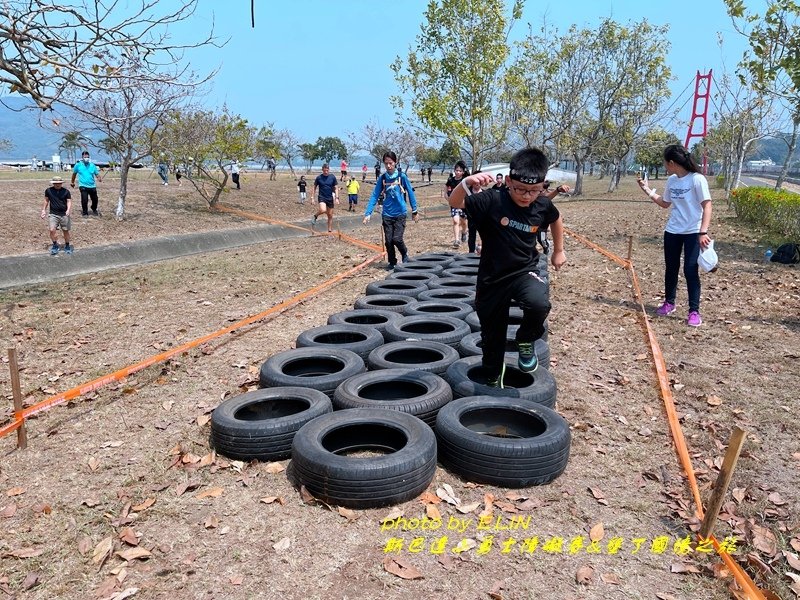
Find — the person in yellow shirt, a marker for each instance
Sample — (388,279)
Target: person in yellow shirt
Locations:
(352,193)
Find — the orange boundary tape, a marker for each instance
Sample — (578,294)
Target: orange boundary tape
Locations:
(157,358)
(749,587)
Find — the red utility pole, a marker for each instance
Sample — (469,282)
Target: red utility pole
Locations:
(702,92)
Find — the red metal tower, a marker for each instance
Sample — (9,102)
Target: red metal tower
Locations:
(702,93)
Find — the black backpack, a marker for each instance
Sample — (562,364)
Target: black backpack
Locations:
(788,254)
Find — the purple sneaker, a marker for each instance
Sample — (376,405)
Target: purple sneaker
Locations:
(694,319)
(666,309)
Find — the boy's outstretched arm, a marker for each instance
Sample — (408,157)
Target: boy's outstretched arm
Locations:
(559,258)
(458,194)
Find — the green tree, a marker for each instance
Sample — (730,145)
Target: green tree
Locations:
(650,149)
(265,145)
(112,148)
(309,152)
(71,142)
(449,153)
(453,75)
(209,141)
(329,148)
(426,155)
(774,66)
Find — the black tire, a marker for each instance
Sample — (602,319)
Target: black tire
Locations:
(319,463)
(509,443)
(467,378)
(261,424)
(412,276)
(433,259)
(374,318)
(452,283)
(320,369)
(392,302)
(471,346)
(420,267)
(411,391)
(446,330)
(447,308)
(432,357)
(461,271)
(396,287)
(361,339)
(465,296)
(450,255)
(466,260)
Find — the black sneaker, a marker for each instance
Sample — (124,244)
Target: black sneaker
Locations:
(527,361)
(405,258)
(96,213)
(497,382)
(390,267)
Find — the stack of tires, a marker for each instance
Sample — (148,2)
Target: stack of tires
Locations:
(360,403)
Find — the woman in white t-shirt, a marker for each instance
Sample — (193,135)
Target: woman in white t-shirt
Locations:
(687,194)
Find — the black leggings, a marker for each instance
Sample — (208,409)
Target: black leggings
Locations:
(393,230)
(472,234)
(492,304)
(689,243)
(86,193)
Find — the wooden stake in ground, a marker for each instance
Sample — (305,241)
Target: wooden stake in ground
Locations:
(630,247)
(22,432)
(723,481)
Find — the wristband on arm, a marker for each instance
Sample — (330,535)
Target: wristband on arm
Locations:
(466,187)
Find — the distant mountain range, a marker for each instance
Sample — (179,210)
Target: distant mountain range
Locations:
(30,131)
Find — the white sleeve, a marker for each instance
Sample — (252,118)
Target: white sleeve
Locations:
(667,196)
(701,188)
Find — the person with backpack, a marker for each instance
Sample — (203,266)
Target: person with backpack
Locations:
(686,193)
(394,186)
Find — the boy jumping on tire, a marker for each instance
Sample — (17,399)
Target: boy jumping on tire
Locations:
(508,220)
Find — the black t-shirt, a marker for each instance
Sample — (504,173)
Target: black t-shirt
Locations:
(326,185)
(508,233)
(58,200)
(451,184)
(498,186)
(301,185)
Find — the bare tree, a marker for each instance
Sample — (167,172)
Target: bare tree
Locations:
(289,146)
(58,52)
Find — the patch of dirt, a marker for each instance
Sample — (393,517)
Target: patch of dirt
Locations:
(136,455)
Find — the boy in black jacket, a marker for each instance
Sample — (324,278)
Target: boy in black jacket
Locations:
(508,220)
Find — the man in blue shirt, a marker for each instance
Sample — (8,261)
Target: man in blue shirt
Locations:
(394,186)
(86,172)
(326,184)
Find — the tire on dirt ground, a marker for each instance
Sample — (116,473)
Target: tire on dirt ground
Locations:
(411,391)
(397,287)
(446,330)
(465,296)
(411,276)
(261,424)
(361,339)
(443,260)
(323,461)
(375,318)
(392,302)
(447,308)
(320,369)
(432,357)
(434,268)
(452,283)
(503,442)
(457,270)
(467,377)
(472,346)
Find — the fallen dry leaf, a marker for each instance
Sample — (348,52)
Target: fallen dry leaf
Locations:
(26,552)
(663,596)
(465,545)
(447,494)
(795,543)
(776,499)
(128,536)
(792,559)
(428,498)
(126,593)
(683,568)
(714,400)
(16,491)
(282,544)
(271,499)
(237,579)
(134,553)
(467,508)
(207,460)
(190,459)
(764,540)
(496,593)
(91,502)
(31,580)
(584,575)
(738,494)
(395,513)
(348,514)
(113,444)
(93,463)
(274,468)
(432,512)
(399,566)
(103,550)
(720,571)
(202,420)
(144,505)
(597,532)
(306,496)
(8,511)
(42,507)
(599,496)
(611,578)
(212,522)
(214,492)
(84,544)
(186,487)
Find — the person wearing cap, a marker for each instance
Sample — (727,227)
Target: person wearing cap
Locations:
(59,202)
(508,220)
(87,173)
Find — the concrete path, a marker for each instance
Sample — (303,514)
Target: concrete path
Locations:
(29,269)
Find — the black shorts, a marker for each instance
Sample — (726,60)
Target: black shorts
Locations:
(327,201)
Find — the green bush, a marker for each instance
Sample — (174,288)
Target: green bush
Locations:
(777,211)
